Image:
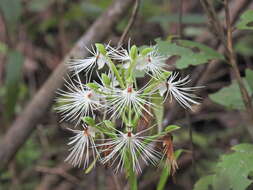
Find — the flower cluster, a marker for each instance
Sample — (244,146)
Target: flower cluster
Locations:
(118,94)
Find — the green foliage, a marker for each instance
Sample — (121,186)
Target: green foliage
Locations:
(232,171)
(230,96)
(185,49)
(174,18)
(3,48)
(204,183)
(38,5)
(12,83)
(244,46)
(246,22)
(29,153)
(11,10)
(249,78)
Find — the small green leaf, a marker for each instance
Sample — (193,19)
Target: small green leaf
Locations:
(246,22)
(171,128)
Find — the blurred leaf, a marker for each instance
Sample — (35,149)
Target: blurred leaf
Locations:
(29,153)
(174,18)
(13,76)
(3,48)
(249,78)
(204,183)
(244,46)
(38,5)
(11,10)
(230,96)
(184,49)
(246,22)
(231,172)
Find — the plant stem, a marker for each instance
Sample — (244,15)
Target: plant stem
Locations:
(232,61)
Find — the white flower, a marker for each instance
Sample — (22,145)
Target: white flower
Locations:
(82,143)
(118,100)
(175,88)
(79,101)
(151,63)
(88,64)
(132,146)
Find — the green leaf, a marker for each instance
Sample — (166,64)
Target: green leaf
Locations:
(186,19)
(13,77)
(38,5)
(231,172)
(246,22)
(249,78)
(3,48)
(230,96)
(204,183)
(11,10)
(171,128)
(234,168)
(157,100)
(185,49)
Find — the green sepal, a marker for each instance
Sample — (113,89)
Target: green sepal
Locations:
(90,121)
(109,124)
(171,128)
(106,80)
(133,52)
(92,86)
(146,51)
(101,48)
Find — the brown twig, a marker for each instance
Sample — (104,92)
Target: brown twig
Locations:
(27,120)
(58,171)
(130,23)
(232,61)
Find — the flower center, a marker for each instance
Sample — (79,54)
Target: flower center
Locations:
(129,134)
(88,95)
(129,90)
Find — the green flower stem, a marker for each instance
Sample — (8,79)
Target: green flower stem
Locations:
(131,175)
